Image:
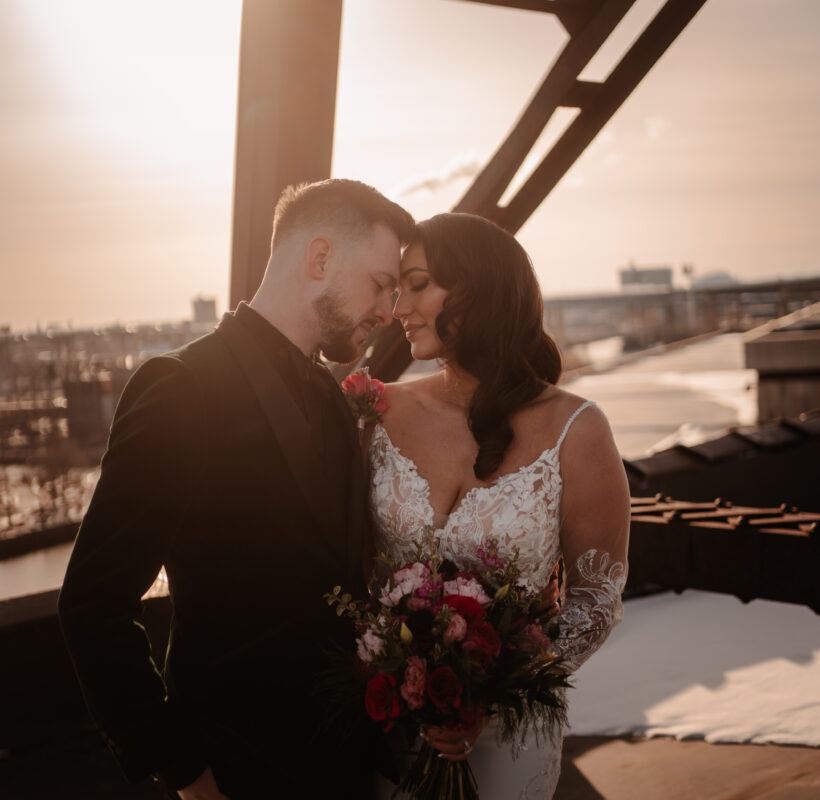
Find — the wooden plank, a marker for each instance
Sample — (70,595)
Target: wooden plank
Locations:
(784,518)
(731,511)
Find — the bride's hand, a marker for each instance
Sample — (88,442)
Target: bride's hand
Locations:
(550,597)
(454,745)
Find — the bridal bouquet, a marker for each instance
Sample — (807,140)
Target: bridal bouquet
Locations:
(442,647)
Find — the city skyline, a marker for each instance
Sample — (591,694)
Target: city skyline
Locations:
(118,167)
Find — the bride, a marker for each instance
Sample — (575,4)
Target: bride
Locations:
(489,446)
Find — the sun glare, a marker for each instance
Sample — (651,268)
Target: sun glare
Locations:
(143,76)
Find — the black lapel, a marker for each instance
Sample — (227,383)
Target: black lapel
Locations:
(357,501)
(289,425)
(356,516)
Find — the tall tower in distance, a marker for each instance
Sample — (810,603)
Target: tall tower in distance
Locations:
(204,310)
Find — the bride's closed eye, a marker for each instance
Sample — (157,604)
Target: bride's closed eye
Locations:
(419,287)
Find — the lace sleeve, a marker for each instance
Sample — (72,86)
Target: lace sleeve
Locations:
(593,606)
(594,540)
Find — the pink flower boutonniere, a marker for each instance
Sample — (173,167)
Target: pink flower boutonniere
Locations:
(365,396)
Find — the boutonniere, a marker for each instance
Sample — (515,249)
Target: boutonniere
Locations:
(365,396)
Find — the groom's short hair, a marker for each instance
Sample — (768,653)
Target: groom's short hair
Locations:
(350,205)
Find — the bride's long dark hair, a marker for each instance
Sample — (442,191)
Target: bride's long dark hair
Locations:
(491,324)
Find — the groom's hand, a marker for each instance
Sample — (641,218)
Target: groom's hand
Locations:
(203,788)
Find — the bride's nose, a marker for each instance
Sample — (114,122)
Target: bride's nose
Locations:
(401,306)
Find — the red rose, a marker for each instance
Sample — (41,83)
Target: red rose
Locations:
(355,384)
(468,607)
(381,699)
(482,643)
(444,688)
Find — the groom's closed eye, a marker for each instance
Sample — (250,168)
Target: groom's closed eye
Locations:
(385,282)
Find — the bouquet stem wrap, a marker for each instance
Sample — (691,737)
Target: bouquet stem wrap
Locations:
(434,778)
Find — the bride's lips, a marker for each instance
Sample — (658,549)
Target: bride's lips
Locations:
(410,331)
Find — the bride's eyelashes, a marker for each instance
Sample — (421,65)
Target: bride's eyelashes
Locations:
(420,287)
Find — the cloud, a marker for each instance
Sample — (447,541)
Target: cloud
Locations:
(467,165)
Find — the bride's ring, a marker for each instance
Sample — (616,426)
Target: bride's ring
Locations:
(468,748)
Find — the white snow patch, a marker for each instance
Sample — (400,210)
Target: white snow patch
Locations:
(705,666)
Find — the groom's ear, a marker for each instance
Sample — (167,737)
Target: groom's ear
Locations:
(318,254)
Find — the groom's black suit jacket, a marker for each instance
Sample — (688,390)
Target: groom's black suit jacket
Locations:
(234,462)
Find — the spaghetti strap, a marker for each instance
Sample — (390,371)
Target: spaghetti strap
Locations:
(575,413)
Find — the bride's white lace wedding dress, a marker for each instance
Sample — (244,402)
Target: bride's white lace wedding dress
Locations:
(521,509)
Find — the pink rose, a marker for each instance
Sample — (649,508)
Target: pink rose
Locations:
(456,630)
(405,581)
(381,405)
(415,679)
(466,587)
(369,645)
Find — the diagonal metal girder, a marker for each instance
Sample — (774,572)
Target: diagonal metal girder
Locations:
(596,101)
(589,24)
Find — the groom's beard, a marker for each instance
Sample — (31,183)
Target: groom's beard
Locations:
(336,329)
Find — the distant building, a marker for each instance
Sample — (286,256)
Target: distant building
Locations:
(713,280)
(204,309)
(646,279)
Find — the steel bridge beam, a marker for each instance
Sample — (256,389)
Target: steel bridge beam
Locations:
(288,63)
(589,23)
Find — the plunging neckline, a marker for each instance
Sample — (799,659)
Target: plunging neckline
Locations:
(471,493)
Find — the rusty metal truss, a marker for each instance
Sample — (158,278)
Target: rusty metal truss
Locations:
(589,24)
(748,552)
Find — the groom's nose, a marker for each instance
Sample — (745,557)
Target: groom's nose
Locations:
(383,312)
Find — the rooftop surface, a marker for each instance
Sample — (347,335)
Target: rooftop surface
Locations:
(594,767)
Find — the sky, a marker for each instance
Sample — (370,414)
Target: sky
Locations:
(117,122)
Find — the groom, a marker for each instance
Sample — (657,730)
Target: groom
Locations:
(234,462)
